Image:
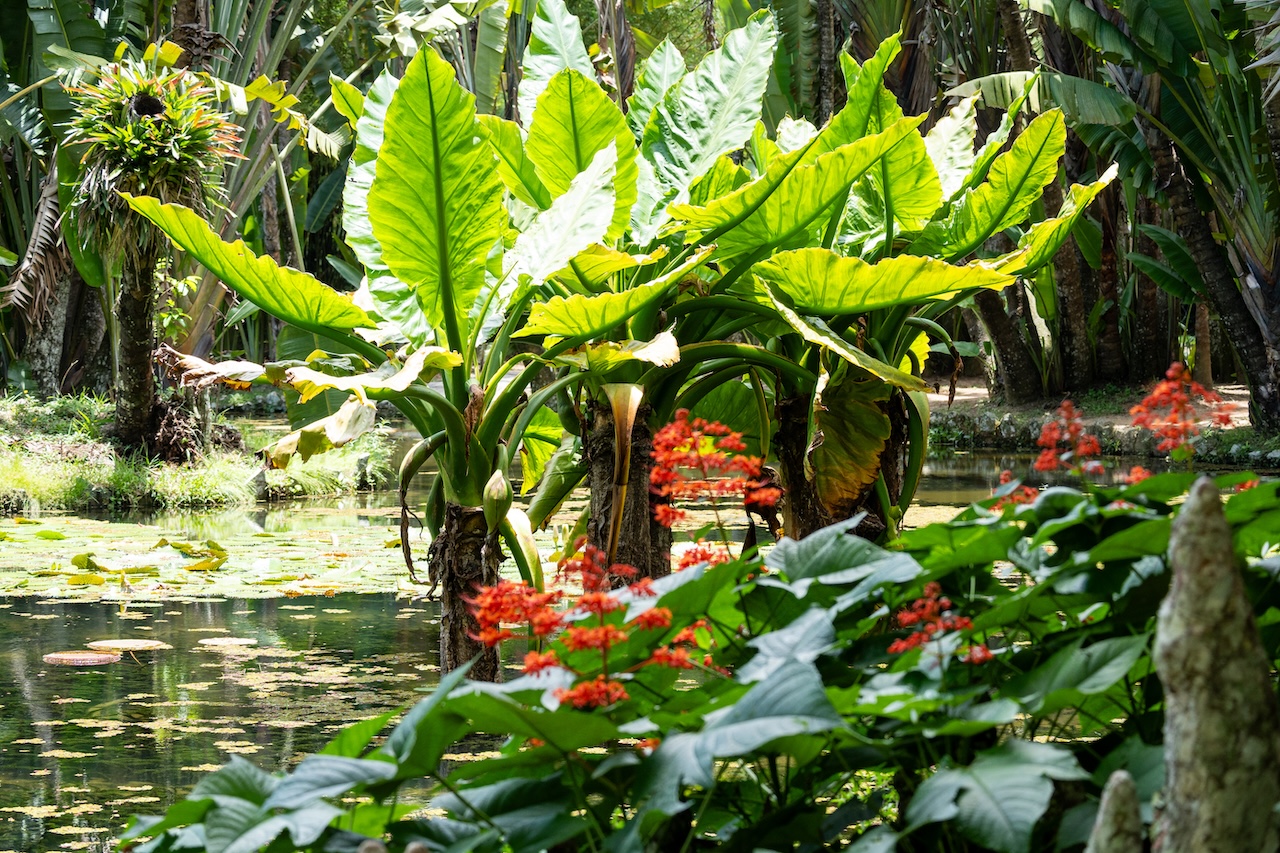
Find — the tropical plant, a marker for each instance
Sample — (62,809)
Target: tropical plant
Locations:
(1200,128)
(973,688)
(143,130)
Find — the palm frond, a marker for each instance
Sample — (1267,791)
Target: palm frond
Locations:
(30,289)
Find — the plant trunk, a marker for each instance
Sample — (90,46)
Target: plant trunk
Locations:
(1259,357)
(1017,44)
(1110,365)
(135,383)
(43,349)
(1222,722)
(825,97)
(1202,371)
(802,511)
(463,557)
(1017,376)
(1150,354)
(643,543)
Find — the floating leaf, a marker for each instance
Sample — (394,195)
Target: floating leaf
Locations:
(81,658)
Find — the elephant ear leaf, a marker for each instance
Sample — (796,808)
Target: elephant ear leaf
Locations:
(1042,240)
(283,292)
(576,220)
(389,376)
(818,281)
(1016,180)
(355,418)
(710,112)
(575,121)
(581,316)
(848,434)
(657,74)
(436,201)
(555,43)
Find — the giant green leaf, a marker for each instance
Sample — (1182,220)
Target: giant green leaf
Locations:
(804,194)
(389,376)
(283,292)
(514,166)
(848,435)
(436,202)
(574,121)
(1042,240)
(1083,101)
(710,112)
(555,43)
(355,418)
(818,333)
(588,316)
(1016,180)
(996,801)
(905,181)
(490,50)
(577,219)
(385,289)
(661,70)
(950,145)
(539,443)
(819,281)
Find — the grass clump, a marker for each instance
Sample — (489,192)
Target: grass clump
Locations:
(53,456)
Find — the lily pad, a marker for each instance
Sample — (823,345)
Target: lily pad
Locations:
(128,645)
(227,641)
(81,658)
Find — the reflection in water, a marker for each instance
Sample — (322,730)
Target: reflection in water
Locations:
(81,749)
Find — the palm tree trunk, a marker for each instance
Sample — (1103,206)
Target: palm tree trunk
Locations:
(1018,377)
(135,384)
(1203,370)
(1110,350)
(1150,354)
(825,105)
(1259,357)
(463,557)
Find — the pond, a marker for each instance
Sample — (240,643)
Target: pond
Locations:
(338,634)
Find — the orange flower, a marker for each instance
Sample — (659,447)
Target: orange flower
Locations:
(1170,411)
(693,459)
(676,658)
(654,617)
(535,662)
(703,553)
(597,693)
(1066,444)
(602,637)
(1137,474)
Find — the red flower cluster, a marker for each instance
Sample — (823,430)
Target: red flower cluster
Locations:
(592,569)
(1170,411)
(701,552)
(1137,474)
(511,603)
(1066,444)
(1020,495)
(596,693)
(931,617)
(696,458)
(586,624)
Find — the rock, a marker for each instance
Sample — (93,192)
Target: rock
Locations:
(258,483)
(13,502)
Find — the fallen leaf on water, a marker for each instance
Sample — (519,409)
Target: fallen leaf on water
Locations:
(64,753)
(50,534)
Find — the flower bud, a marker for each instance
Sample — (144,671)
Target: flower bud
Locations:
(497,499)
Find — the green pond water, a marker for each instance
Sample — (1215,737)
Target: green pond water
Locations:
(340,634)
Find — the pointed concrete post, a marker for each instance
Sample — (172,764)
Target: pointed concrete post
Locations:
(1222,722)
(1118,827)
